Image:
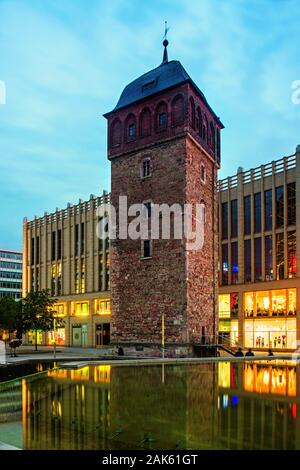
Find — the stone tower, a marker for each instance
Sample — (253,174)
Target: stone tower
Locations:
(164,148)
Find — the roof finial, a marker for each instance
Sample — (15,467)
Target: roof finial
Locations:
(165,43)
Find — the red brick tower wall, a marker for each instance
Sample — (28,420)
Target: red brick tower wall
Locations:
(174,282)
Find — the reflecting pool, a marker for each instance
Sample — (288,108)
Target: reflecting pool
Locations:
(221,405)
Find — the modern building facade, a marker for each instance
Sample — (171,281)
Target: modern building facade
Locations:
(10,273)
(62,253)
(164,148)
(259,255)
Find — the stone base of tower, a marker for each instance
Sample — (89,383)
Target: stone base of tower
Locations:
(171,350)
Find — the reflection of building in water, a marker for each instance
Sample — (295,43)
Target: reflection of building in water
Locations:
(257,406)
(212,406)
(67,410)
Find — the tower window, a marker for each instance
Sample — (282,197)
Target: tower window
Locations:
(146,168)
(131,130)
(146,249)
(162,119)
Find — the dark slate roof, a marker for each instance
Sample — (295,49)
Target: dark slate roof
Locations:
(167,75)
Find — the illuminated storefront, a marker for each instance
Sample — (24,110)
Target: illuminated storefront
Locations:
(228,312)
(32,337)
(270,319)
(60,337)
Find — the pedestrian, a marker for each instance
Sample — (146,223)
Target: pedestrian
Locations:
(249,353)
(239,353)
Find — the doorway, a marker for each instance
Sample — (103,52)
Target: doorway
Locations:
(79,335)
(102,334)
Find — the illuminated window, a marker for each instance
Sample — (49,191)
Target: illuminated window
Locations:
(279,256)
(291,203)
(263,303)
(292,264)
(225,264)
(224,306)
(279,206)
(81,308)
(292,305)
(234,263)
(249,304)
(102,307)
(279,302)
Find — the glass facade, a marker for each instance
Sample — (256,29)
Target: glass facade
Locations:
(291,203)
(224,221)
(269,333)
(268,258)
(292,263)
(279,256)
(225,264)
(228,312)
(270,303)
(247,215)
(257,212)
(10,274)
(257,259)
(247,260)
(279,206)
(234,263)
(234,218)
(268,209)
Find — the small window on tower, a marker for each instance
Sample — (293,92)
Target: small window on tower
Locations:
(145,168)
(203,173)
(162,119)
(131,130)
(146,249)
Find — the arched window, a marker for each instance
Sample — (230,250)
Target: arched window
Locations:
(212,136)
(145,122)
(177,110)
(192,113)
(145,167)
(115,133)
(200,121)
(161,116)
(130,128)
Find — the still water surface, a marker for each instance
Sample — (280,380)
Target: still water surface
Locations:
(207,406)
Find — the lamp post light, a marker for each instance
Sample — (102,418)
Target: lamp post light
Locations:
(54,331)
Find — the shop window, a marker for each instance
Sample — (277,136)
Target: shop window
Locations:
(225,264)
(224,221)
(279,256)
(234,304)
(234,263)
(279,198)
(247,260)
(263,303)
(292,304)
(279,302)
(58,337)
(247,215)
(291,203)
(234,218)
(268,209)
(292,264)
(249,304)
(257,212)
(224,306)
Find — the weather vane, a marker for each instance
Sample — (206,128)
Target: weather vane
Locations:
(166,30)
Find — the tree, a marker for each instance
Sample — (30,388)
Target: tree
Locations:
(37,313)
(8,313)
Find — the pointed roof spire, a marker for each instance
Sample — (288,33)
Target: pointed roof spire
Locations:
(165,44)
